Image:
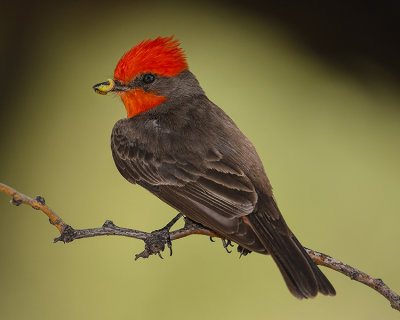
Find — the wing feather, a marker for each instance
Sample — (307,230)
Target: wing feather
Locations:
(205,187)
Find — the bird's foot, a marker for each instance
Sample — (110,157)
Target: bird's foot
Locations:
(226,244)
(156,240)
(243,251)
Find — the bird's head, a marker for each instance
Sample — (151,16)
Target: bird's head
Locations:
(148,74)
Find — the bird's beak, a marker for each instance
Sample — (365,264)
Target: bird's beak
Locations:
(104,87)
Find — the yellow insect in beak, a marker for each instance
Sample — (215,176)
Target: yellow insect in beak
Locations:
(104,87)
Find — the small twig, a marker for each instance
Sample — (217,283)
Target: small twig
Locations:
(355,274)
(156,240)
(38,204)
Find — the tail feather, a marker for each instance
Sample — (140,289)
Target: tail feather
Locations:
(302,276)
(324,285)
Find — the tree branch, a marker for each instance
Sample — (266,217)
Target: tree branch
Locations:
(355,274)
(155,241)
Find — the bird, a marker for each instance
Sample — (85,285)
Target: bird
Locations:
(189,153)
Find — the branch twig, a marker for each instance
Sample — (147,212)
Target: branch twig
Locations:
(355,274)
(156,240)
(37,204)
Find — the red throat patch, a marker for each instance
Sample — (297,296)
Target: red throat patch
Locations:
(161,56)
(137,101)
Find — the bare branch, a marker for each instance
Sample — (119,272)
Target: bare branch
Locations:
(155,241)
(355,274)
(38,204)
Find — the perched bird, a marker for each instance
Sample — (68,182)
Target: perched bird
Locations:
(185,150)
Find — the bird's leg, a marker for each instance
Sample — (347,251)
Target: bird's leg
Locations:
(156,240)
(167,228)
(170,224)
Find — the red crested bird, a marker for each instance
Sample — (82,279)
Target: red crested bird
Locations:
(185,150)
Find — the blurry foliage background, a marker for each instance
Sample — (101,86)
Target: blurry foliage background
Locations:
(316,90)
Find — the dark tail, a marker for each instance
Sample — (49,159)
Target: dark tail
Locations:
(324,285)
(301,274)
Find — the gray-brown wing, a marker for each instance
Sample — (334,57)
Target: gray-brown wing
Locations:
(198,182)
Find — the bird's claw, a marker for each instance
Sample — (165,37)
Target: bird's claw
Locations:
(243,251)
(226,244)
(155,241)
(169,244)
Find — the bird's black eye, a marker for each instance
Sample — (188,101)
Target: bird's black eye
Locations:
(148,78)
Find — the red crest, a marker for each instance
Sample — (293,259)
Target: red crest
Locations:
(161,56)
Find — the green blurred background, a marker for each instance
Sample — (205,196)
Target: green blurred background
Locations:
(317,94)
